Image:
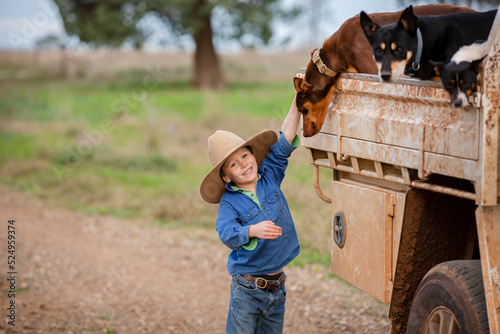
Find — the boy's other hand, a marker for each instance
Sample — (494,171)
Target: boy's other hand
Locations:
(264,230)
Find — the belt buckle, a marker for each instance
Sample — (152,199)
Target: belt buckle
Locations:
(257,282)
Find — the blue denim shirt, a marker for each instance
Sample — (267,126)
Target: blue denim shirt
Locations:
(238,211)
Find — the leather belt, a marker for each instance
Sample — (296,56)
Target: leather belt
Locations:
(263,283)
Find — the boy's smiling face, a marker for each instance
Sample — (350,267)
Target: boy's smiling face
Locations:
(241,168)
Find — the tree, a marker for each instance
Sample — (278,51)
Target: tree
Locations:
(48,42)
(101,23)
(114,23)
(52,42)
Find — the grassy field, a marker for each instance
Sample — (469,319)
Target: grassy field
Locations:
(123,135)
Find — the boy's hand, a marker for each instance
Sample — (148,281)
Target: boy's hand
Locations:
(264,230)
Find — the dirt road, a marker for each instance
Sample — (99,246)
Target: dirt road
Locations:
(96,274)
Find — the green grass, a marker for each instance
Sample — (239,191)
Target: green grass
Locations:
(63,328)
(118,148)
(309,255)
(17,145)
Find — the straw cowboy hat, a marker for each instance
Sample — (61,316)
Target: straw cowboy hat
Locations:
(220,146)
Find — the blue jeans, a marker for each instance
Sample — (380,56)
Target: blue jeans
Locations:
(254,310)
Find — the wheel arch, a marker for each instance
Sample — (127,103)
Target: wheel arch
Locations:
(456,287)
(436,228)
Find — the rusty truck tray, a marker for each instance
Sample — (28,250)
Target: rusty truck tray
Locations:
(386,130)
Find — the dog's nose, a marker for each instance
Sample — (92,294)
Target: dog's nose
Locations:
(456,103)
(385,75)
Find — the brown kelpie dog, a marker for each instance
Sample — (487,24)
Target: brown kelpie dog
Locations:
(347,50)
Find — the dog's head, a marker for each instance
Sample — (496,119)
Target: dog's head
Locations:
(393,45)
(314,93)
(459,80)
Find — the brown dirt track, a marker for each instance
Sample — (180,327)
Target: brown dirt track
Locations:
(97,274)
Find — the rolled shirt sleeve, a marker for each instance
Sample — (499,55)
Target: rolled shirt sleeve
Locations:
(231,232)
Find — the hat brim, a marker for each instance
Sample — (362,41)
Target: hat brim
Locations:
(212,187)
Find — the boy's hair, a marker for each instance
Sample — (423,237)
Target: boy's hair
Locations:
(221,172)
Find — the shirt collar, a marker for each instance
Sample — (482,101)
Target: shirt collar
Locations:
(232,187)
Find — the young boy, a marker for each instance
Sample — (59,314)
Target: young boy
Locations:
(254,221)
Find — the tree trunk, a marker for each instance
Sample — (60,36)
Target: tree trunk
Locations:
(207,71)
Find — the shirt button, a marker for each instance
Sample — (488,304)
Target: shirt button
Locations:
(276,194)
(251,195)
(248,215)
(263,207)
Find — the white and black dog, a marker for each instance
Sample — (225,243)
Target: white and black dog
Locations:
(460,75)
(406,47)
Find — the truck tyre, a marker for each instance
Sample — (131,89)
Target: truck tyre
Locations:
(450,299)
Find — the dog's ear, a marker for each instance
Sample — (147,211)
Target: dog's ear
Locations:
(477,65)
(301,86)
(438,66)
(408,21)
(369,27)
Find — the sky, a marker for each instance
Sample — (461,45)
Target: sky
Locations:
(24,22)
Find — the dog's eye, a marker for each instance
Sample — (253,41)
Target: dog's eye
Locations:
(378,50)
(399,49)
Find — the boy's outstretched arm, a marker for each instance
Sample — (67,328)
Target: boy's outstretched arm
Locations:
(291,122)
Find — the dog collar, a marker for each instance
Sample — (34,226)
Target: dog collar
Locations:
(322,68)
(420,44)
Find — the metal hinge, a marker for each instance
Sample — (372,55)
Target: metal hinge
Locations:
(475,100)
(391,205)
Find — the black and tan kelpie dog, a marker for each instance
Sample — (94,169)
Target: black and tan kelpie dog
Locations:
(407,46)
(460,77)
